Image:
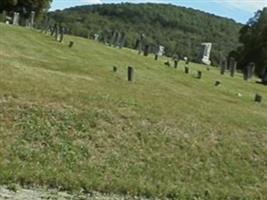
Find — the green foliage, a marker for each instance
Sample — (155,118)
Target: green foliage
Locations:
(180,30)
(25,5)
(253,36)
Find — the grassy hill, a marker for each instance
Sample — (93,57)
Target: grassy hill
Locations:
(68,121)
(181,30)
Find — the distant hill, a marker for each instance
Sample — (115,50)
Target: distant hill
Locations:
(181,30)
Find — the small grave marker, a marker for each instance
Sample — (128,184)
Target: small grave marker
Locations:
(217,83)
(258,98)
(71,44)
(186,70)
(199,74)
(130,73)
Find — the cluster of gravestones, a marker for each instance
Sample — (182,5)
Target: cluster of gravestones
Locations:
(112,38)
(18,18)
(56,30)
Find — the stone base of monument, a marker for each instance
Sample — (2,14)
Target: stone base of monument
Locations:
(206,61)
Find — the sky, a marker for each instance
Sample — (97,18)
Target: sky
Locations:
(239,10)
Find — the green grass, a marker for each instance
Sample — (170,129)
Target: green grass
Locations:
(68,121)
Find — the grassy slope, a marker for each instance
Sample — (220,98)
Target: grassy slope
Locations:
(67,120)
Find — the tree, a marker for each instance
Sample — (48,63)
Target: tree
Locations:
(253,36)
(25,6)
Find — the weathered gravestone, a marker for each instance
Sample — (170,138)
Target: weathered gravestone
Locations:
(249,71)
(176,60)
(96,36)
(112,38)
(130,74)
(3,16)
(232,66)
(199,74)
(159,51)
(186,70)
(61,33)
(217,83)
(258,98)
(122,40)
(140,43)
(32,19)
(146,50)
(71,44)
(222,66)
(264,76)
(16,18)
(206,53)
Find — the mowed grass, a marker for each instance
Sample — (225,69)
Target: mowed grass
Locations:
(67,121)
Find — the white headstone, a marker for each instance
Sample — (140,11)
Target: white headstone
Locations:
(16,18)
(161,50)
(32,18)
(206,53)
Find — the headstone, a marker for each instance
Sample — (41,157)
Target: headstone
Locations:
(53,29)
(61,33)
(112,38)
(232,66)
(264,77)
(206,53)
(186,70)
(71,44)
(249,71)
(199,74)
(122,40)
(140,42)
(3,16)
(258,98)
(146,50)
(223,66)
(16,18)
(167,63)
(217,83)
(130,73)
(159,51)
(96,37)
(32,19)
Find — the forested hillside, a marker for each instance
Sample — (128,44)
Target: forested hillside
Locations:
(180,30)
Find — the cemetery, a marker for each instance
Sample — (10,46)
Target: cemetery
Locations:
(92,115)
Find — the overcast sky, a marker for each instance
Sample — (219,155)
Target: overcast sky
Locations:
(239,10)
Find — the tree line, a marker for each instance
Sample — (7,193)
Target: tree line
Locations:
(180,30)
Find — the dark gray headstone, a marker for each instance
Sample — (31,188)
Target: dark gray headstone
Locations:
(61,33)
(223,66)
(122,40)
(199,74)
(249,71)
(258,98)
(264,76)
(232,66)
(71,44)
(130,73)
(217,83)
(146,50)
(186,70)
